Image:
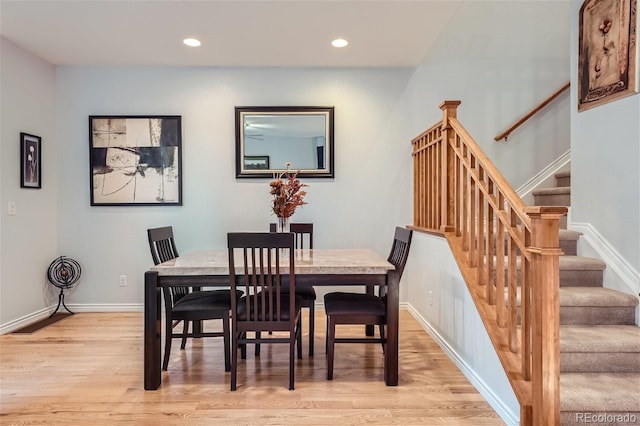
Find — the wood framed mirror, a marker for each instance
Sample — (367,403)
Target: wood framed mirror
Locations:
(268,137)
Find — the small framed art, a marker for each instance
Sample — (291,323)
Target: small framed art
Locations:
(30,161)
(258,162)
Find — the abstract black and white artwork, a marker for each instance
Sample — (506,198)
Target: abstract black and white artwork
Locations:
(135,160)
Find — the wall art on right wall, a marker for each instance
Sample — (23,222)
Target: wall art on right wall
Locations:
(607,52)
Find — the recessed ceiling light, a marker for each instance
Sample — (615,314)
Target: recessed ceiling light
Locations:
(339,42)
(192,42)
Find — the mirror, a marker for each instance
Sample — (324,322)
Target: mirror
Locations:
(269,137)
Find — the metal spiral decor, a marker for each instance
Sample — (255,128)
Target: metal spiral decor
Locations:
(63,273)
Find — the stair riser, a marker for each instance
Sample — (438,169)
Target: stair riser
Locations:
(552,200)
(602,315)
(563,181)
(581,278)
(573,278)
(600,362)
(569,247)
(597,315)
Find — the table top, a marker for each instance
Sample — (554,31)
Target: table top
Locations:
(317,261)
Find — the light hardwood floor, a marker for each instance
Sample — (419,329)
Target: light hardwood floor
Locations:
(88,370)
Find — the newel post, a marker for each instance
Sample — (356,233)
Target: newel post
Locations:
(447,165)
(545,316)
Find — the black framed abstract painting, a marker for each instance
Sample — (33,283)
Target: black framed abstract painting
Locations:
(135,160)
(30,161)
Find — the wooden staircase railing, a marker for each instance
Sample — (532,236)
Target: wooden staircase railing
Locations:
(505,135)
(507,252)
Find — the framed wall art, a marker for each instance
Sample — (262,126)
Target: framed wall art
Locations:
(30,161)
(135,160)
(256,162)
(607,52)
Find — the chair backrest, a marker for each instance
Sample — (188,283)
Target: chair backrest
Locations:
(163,248)
(266,268)
(161,244)
(303,234)
(400,249)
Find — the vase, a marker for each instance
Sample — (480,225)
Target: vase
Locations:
(282,225)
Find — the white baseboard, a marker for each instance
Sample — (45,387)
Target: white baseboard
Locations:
(525,190)
(111,307)
(26,320)
(496,403)
(619,275)
(45,312)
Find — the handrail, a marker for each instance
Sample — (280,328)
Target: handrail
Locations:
(507,254)
(504,135)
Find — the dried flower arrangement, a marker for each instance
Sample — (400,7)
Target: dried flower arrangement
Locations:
(288,193)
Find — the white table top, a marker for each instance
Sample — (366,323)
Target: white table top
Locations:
(317,261)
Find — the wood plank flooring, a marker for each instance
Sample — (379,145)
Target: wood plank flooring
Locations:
(88,370)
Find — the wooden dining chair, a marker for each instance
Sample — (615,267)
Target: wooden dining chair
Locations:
(361,308)
(303,240)
(188,304)
(265,265)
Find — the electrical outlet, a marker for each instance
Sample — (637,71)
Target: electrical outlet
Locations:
(123,280)
(11,208)
(430,297)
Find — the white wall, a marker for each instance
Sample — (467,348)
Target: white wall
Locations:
(360,207)
(605,160)
(28,239)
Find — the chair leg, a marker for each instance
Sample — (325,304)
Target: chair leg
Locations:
(331,336)
(292,344)
(326,339)
(312,315)
(234,359)
(257,349)
(227,345)
(185,331)
(299,338)
(168,332)
(243,347)
(384,345)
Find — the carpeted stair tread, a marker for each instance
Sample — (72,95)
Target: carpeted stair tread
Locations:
(600,349)
(566,234)
(600,392)
(600,338)
(556,196)
(563,178)
(595,297)
(556,190)
(577,263)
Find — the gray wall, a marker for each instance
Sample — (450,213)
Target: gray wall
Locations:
(28,239)
(359,208)
(605,159)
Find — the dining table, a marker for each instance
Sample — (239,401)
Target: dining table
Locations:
(317,267)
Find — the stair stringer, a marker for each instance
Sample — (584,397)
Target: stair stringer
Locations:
(488,313)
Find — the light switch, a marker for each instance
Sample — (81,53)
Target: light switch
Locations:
(11,208)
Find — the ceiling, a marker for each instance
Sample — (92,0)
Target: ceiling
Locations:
(240,33)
